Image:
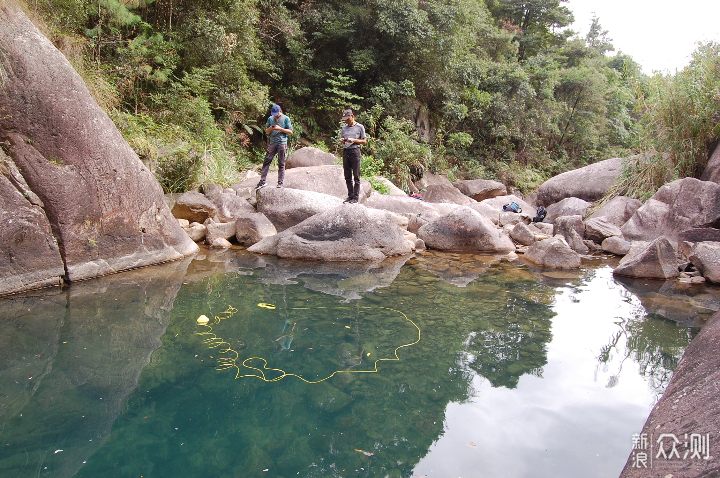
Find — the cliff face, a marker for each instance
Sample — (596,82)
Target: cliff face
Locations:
(80,202)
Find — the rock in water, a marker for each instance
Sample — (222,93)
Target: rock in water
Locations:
(105,208)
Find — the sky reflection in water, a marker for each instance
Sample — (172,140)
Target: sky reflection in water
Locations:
(518,373)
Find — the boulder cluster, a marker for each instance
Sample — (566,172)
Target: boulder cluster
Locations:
(673,235)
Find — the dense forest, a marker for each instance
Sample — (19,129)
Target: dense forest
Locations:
(497,89)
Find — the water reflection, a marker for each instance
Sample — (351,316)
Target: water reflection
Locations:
(70,366)
(69,359)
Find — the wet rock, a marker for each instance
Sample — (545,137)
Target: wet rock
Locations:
(464,230)
(553,253)
(327,398)
(656,260)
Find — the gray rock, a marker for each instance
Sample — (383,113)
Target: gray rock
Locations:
(655,260)
(211,190)
(220,243)
(416,221)
(442,193)
(554,253)
(464,230)
(320,179)
(432,180)
(253,228)
(394,190)
(310,156)
(598,229)
(230,207)
(481,189)
(195,207)
(616,245)
(589,183)
(703,234)
(676,207)
(196,231)
(572,229)
(706,258)
(213,230)
(407,205)
(522,234)
(105,208)
(618,210)
(349,232)
(512,218)
(496,204)
(566,207)
(288,207)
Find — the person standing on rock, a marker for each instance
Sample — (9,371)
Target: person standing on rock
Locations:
(352,136)
(278,128)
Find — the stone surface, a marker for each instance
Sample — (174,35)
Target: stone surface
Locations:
(442,193)
(554,253)
(320,179)
(522,234)
(600,228)
(589,183)
(676,207)
(30,257)
(655,260)
(288,207)
(194,207)
(349,232)
(616,245)
(394,190)
(706,258)
(481,189)
(220,243)
(196,231)
(701,234)
(407,205)
(230,207)
(310,156)
(253,228)
(415,222)
(712,170)
(572,229)
(106,209)
(496,204)
(464,230)
(688,406)
(618,210)
(567,207)
(215,230)
(432,180)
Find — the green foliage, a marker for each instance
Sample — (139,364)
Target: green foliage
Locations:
(370,169)
(683,112)
(338,95)
(641,176)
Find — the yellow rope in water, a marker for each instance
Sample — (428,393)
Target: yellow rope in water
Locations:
(231,362)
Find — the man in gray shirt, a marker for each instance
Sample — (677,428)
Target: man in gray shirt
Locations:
(352,136)
(278,128)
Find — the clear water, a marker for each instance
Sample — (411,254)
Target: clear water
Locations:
(517,373)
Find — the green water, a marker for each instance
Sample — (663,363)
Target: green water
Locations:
(517,372)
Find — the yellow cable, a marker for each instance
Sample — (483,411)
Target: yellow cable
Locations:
(229,362)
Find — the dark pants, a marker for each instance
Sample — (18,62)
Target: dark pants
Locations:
(351,166)
(274,149)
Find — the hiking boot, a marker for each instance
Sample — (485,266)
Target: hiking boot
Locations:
(260,186)
(353,201)
(280,186)
(348,200)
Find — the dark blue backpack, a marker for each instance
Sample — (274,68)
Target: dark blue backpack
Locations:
(512,207)
(541,213)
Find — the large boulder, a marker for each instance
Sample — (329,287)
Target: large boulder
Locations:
(553,253)
(676,207)
(407,205)
(30,256)
(349,232)
(464,230)
(481,189)
(442,193)
(429,179)
(598,229)
(706,258)
(230,207)
(287,207)
(566,207)
(589,183)
(572,229)
(656,260)
(253,228)
(496,204)
(618,210)
(194,207)
(320,179)
(616,245)
(106,209)
(688,406)
(310,156)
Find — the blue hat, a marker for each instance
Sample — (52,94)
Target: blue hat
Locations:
(275,109)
